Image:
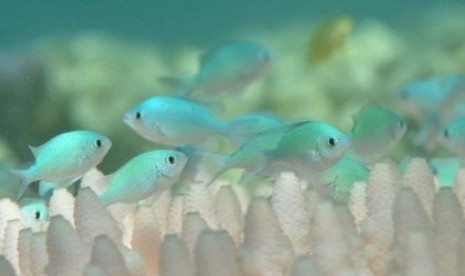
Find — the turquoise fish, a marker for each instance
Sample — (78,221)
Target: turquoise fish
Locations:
(251,156)
(229,68)
(65,157)
(375,132)
(34,212)
(174,121)
(144,175)
(341,177)
(431,102)
(452,137)
(309,148)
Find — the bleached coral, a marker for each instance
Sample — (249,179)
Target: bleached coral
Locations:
(394,237)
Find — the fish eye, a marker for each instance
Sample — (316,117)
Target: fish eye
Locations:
(138,115)
(37,215)
(446,133)
(332,141)
(98,143)
(401,123)
(170,159)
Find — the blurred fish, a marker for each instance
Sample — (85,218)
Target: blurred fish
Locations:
(34,212)
(445,170)
(250,125)
(309,148)
(65,157)
(251,155)
(342,176)
(453,137)
(230,68)
(328,38)
(178,121)
(431,102)
(144,175)
(375,132)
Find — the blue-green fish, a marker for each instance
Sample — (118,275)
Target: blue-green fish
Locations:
(65,157)
(309,148)
(34,212)
(251,156)
(174,121)
(431,102)
(230,68)
(341,177)
(144,175)
(375,132)
(452,137)
(250,125)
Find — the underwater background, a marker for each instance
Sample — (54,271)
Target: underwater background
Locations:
(84,64)
(81,65)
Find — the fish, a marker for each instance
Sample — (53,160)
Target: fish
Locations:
(178,121)
(375,132)
(250,125)
(65,157)
(328,38)
(309,148)
(34,212)
(229,68)
(431,102)
(251,156)
(452,137)
(341,177)
(147,174)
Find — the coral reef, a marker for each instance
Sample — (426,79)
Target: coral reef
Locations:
(406,229)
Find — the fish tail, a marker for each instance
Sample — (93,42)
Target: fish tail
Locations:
(25,176)
(220,161)
(238,132)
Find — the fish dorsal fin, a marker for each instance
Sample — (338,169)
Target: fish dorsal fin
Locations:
(35,150)
(212,106)
(368,107)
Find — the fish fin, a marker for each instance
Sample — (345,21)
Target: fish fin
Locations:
(212,106)
(220,161)
(35,150)
(46,189)
(25,181)
(184,85)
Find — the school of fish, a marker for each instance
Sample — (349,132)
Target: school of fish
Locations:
(262,143)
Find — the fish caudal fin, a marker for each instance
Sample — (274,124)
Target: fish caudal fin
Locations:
(25,181)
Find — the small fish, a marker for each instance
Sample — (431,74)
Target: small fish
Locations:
(328,38)
(431,102)
(65,157)
(375,132)
(34,212)
(452,137)
(250,125)
(342,176)
(309,147)
(230,68)
(144,175)
(174,121)
(251,155)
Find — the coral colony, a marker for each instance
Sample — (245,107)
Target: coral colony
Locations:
(312,198)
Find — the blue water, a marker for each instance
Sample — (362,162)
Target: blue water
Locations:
(187,22)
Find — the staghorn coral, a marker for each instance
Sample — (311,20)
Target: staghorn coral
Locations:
(395,235)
